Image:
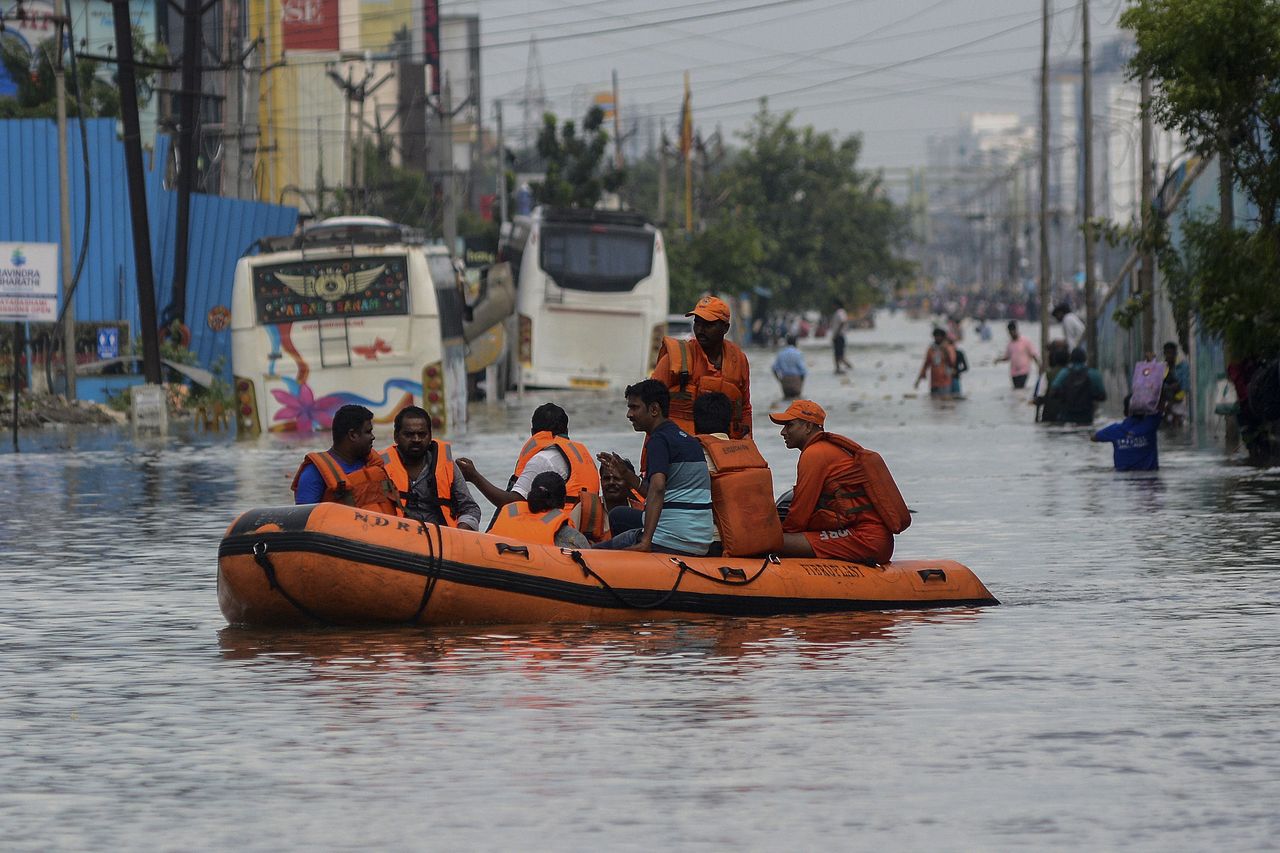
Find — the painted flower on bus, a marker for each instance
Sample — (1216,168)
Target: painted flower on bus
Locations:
(307,412)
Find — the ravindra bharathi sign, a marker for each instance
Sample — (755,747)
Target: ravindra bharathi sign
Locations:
(29,282)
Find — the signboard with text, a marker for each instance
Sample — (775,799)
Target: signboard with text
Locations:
(309,24)
(29,282)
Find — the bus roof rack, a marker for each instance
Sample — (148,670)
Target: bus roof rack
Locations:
(591,215)
(345,231)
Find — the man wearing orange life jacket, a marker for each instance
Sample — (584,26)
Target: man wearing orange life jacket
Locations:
(431,487)
(846,505)
(541,520)
(349,472)
(707,363)
(549,448)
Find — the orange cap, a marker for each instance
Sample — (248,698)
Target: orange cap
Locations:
(805,410)
(710,308)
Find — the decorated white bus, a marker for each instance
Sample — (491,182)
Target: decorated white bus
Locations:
(591,297)
(349,310)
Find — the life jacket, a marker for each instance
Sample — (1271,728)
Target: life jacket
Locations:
(742,497)
(592,518)
(1146,387)
(368,488)
(689,369)
(584,477)
(516,521)
(442,474)
(870,488)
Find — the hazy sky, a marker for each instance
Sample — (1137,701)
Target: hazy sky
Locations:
(896,71)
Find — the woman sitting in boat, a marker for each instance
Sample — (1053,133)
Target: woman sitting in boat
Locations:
(846,505)
(540,520)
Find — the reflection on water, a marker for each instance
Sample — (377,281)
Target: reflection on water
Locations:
(1122,697)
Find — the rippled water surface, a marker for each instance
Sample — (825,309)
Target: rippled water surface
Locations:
(1125,695)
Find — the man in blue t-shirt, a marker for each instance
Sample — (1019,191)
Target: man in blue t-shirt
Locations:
(677,515)
(1133,441)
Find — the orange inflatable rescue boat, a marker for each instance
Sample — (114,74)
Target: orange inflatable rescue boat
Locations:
(331,564)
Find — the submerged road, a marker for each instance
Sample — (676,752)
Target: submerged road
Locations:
(1126,694)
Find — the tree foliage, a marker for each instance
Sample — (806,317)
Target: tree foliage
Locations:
(99,93)
(1216,80)
(576,173)
(830,232)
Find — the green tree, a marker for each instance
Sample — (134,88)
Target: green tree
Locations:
(726,256)
(826,230)
(576,174)
(1216,80)
(99,93)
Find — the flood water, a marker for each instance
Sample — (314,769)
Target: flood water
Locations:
(1126,695)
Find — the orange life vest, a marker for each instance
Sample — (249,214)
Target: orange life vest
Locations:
(369,488)
(742,497)
(442,463)
(516,521)
(592,517)
(869,487)
(690,377)
(583,474)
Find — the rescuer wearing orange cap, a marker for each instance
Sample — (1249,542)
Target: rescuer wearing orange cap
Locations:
(706,363)
(846,505)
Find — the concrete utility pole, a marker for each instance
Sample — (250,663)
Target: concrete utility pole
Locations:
(232,143)
(137,192)
(189,118)
(662,174)
(450,185)
(617,125)
(502,166)
(1045,272)
(1086,117)
(1147,272)
(64,197)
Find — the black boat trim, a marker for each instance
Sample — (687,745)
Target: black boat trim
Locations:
(560,590)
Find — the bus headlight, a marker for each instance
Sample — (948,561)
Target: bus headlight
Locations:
(526,341)
(246,402)
(433,396)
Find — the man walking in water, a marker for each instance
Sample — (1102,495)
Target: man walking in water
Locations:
(839,322)
(939,365)
(1020,353)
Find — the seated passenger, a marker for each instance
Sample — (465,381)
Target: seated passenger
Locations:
(677,486)
(846,505)
(541,520)
(431,487)
(549,449)
(615,491)
(741,484)
(349,472)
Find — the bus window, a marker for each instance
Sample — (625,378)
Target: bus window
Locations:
(596,258)
(315,290)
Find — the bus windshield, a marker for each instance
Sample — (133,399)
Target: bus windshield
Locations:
(333,287)
(596,258)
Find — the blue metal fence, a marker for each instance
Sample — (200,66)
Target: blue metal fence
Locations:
(221,228)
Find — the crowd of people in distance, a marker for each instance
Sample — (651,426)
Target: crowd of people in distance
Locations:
(702,487)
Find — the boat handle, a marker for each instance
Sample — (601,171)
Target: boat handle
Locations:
(505,547)
(928,574)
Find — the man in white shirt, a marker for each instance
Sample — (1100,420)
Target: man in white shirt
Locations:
(548,449)
(1072,326)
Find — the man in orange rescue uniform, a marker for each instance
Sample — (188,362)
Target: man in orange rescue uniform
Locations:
(707,363)
(846,505)
(349,472)
(431,487)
